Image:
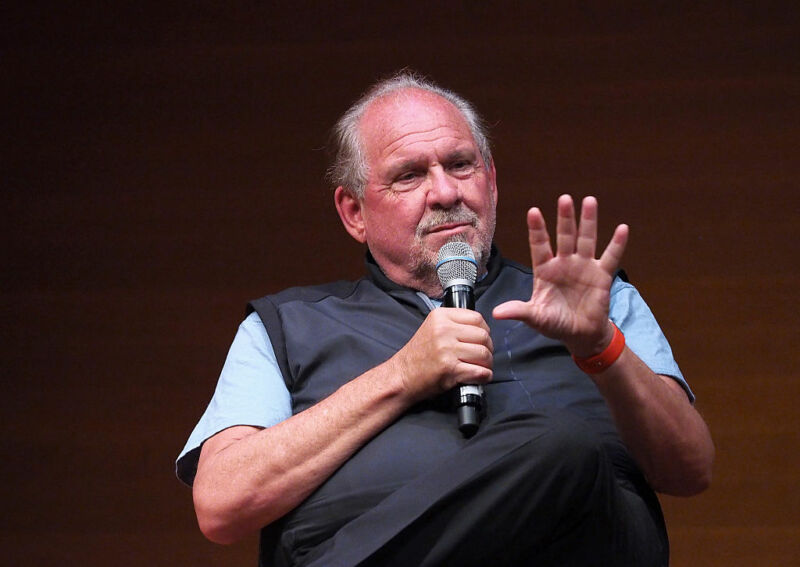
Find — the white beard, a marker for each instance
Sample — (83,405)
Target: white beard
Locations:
(423,259)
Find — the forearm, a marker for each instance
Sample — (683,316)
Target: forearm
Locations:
(248,478)
(663,431)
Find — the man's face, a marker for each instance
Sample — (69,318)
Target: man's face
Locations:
(427,185)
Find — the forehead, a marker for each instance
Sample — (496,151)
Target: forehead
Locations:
(408,118)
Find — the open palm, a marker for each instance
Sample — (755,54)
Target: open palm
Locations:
(570,296)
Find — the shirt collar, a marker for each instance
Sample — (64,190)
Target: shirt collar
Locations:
(376,275)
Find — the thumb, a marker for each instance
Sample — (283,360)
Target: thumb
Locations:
(512,310)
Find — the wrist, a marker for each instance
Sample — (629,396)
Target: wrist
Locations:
(399,370)
(599,362)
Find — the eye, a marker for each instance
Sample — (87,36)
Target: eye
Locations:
(462,166)
(407,180)
(406,177)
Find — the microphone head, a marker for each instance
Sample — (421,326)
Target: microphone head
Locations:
(456,265)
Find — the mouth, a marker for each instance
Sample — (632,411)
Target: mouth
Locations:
(452,227)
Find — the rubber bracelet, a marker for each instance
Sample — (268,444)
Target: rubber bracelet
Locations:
(600,362)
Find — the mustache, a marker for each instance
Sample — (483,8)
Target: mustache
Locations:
(460,214)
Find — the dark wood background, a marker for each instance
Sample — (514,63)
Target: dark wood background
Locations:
(162,165)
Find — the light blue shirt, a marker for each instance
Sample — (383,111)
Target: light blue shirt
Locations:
(251,390)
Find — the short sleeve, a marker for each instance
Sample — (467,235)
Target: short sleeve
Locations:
(250,391)
(642,333)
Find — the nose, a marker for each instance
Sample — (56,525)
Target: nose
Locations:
(443,191)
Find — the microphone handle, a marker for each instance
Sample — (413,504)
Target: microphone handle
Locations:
(470,396)
(459,295)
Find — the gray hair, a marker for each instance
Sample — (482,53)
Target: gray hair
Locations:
(349,168)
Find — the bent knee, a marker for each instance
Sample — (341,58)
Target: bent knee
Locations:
(557,436)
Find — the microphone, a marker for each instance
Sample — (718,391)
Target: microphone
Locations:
(457,271)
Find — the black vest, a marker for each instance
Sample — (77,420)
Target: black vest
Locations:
(324,336)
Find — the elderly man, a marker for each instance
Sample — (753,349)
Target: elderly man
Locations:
(331,431)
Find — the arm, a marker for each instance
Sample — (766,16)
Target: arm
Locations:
(662,430)
(570,302)
(248,477)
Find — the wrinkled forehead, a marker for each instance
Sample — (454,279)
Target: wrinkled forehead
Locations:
(410,111)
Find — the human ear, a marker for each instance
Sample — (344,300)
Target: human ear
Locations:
(349,208)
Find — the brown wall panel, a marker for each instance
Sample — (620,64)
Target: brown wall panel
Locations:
(161,166)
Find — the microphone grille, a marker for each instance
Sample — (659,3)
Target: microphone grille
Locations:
(456,264)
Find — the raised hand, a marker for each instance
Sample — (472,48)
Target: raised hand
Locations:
(570,295)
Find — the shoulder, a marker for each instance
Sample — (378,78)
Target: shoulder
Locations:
(515,267)
(625,297)
(309,294)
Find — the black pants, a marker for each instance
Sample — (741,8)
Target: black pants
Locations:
(529,489)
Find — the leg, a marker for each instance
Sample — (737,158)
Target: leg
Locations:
(527,486)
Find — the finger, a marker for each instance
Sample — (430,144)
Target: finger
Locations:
(612,255)
(565,229)
(476,336)
(463,317)
(476,355)
(465,325)
(468,373)
(587,230)
(538,239)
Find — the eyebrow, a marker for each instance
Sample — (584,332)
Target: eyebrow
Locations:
(465,153)
(411,164)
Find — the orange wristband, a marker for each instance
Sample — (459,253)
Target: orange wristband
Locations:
(599,362)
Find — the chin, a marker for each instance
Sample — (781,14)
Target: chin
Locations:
(481,248)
